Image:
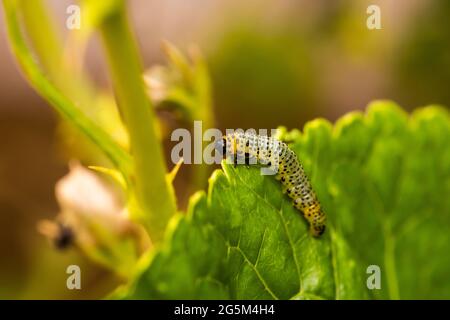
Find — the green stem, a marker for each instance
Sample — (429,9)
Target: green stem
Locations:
(41,31)
(204,112)
(48,46)
(153,193)
(60,102)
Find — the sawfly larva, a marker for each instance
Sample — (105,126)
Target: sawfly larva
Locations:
(249,148)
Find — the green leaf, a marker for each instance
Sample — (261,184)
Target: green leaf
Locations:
(383,180)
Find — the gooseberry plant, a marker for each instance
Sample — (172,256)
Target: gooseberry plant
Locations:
(383,178)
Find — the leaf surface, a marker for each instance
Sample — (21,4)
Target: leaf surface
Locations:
(383,179)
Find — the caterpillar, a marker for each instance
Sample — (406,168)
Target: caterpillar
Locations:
(249,148)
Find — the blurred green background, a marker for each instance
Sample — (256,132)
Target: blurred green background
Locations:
(281,63)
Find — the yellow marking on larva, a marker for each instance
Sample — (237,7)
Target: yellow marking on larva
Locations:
(270,151)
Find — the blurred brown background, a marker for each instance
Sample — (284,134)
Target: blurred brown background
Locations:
(281,63)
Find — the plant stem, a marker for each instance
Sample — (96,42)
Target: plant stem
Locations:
(154,194)
(48,46)
(43,36)
(204,112)
(53,95)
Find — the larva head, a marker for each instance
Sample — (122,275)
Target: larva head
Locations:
(317,220)
(221,146)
